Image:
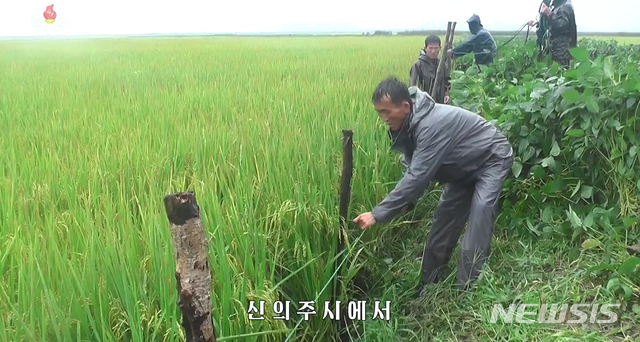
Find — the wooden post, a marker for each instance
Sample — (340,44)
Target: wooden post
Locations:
(438,85)
(345,195)
(451,60)
(453,31)
(435,88)
(192,268)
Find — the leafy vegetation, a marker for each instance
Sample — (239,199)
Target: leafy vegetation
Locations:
(568,211)
(576,138)
(97,132)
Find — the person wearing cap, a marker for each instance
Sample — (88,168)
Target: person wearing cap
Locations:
(423,71)
(454,147)
(563,32)
(481,43)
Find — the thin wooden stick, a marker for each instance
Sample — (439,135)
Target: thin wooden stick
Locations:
(453,30)
(450,61)
(345,195)
(437,91)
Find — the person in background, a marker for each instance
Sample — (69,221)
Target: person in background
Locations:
(542,32)
(481,43)
(457,148)
(563,32)
(423,71)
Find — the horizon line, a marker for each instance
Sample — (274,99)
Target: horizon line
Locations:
(406,32)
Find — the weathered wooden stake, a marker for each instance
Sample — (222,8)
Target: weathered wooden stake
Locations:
(436,92)
(453,31)
(435,88)
(192,268)
(345,195)
(451,61)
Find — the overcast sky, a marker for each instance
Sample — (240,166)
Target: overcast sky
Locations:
(80,17)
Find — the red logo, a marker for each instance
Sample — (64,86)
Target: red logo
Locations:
(50,15)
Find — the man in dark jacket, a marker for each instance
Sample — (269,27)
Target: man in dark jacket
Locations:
(481,43)
(563,32)
(423,71)
(457,148)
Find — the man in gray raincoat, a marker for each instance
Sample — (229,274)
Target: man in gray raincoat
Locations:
(457,148)
(481,43)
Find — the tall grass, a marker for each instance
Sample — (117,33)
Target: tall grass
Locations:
(96,132)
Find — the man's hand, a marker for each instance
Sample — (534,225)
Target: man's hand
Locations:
(446,99)
(365,220)
(545,10)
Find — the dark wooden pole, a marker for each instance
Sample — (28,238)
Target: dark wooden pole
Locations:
(453,31)
(437,92)
(345,196)
(450,61)
(192,268)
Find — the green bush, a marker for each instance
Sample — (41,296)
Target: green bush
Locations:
(575,137)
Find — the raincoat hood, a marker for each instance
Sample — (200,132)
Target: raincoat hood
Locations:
(474,19)
(474,23)
(422,104)
(423,56)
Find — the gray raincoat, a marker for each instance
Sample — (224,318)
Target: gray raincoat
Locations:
(472,158)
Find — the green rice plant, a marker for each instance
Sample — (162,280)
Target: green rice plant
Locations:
(96,132)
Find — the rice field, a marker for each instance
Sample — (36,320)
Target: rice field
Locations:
(624,40)
(96,132)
